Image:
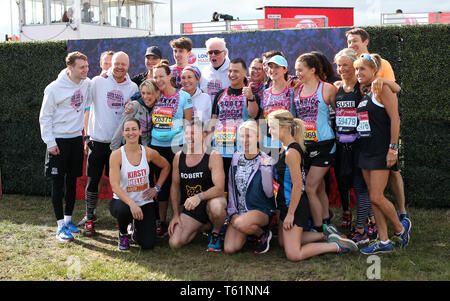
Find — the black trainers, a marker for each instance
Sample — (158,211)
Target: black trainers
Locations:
(263,243)
(161,229)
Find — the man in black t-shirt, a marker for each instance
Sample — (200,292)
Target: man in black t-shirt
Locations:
(197,191)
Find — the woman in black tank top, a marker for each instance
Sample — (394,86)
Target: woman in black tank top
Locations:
(292,200)
(379,127)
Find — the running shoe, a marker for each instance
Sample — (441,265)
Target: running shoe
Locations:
(215,242)
(262,244)
(372,231)
(89,230)
(161,229)
(124,242)
(376,247)
(346,220)
(84,220)
(345,245)
(401,216)
(72,228)
(402,240)
(64,234)
(132,232)
(359,238)
(331,229)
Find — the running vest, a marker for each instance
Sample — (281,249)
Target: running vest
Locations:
(283,181)
(272,102)
(176,75)
(232,111)
(196,179)
(134,179)
(258,89)
(315,114)
(346,113)
(374,126)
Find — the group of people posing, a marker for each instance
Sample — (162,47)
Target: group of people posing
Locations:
(240,154)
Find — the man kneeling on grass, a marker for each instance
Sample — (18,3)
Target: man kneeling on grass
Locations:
(197,191)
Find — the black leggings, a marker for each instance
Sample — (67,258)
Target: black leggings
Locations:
(58,194)
(145,229)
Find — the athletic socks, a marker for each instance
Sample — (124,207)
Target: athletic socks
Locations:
(60,223)
(67,219)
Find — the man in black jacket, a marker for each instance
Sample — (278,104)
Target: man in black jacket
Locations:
(153,56)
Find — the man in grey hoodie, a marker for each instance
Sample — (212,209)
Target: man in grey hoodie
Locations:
(61,123)
(107,97)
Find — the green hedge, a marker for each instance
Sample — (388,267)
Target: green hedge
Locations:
(26,69)
(418,55)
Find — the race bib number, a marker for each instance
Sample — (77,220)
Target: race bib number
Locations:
(346,117)
(162,117)
(364,125)
(225,134)
(310,131)
(270,109)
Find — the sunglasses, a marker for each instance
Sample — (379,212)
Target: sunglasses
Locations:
(216,52)
(367,56)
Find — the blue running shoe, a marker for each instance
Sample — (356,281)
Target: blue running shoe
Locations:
(72,228)
(64,234)
(401,216)
(402,240)
(215,242)
(376,247)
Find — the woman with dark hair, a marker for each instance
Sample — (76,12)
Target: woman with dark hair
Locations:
(172,107)
(129,178)
(311,104)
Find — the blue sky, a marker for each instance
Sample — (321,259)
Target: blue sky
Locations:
(367,12)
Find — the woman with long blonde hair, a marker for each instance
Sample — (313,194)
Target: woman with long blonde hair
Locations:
(289,187)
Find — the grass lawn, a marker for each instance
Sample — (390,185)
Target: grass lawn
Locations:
(29,251)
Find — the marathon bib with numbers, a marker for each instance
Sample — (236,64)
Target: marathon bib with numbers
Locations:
(162,117)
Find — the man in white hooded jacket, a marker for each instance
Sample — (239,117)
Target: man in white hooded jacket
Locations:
(61,124)
(215,76)
(107,98)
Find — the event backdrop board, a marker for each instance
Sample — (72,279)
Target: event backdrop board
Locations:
(246,45)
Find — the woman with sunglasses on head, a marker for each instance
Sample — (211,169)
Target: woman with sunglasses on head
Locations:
(379,128)
(348,173)
(172,107)
(289,186)
(129,178)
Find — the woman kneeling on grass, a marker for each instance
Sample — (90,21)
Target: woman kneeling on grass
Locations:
(289,186)
(129,178)
(250,195)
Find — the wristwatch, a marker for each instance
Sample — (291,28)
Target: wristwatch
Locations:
(157,188)
(394,146)
(87,137)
